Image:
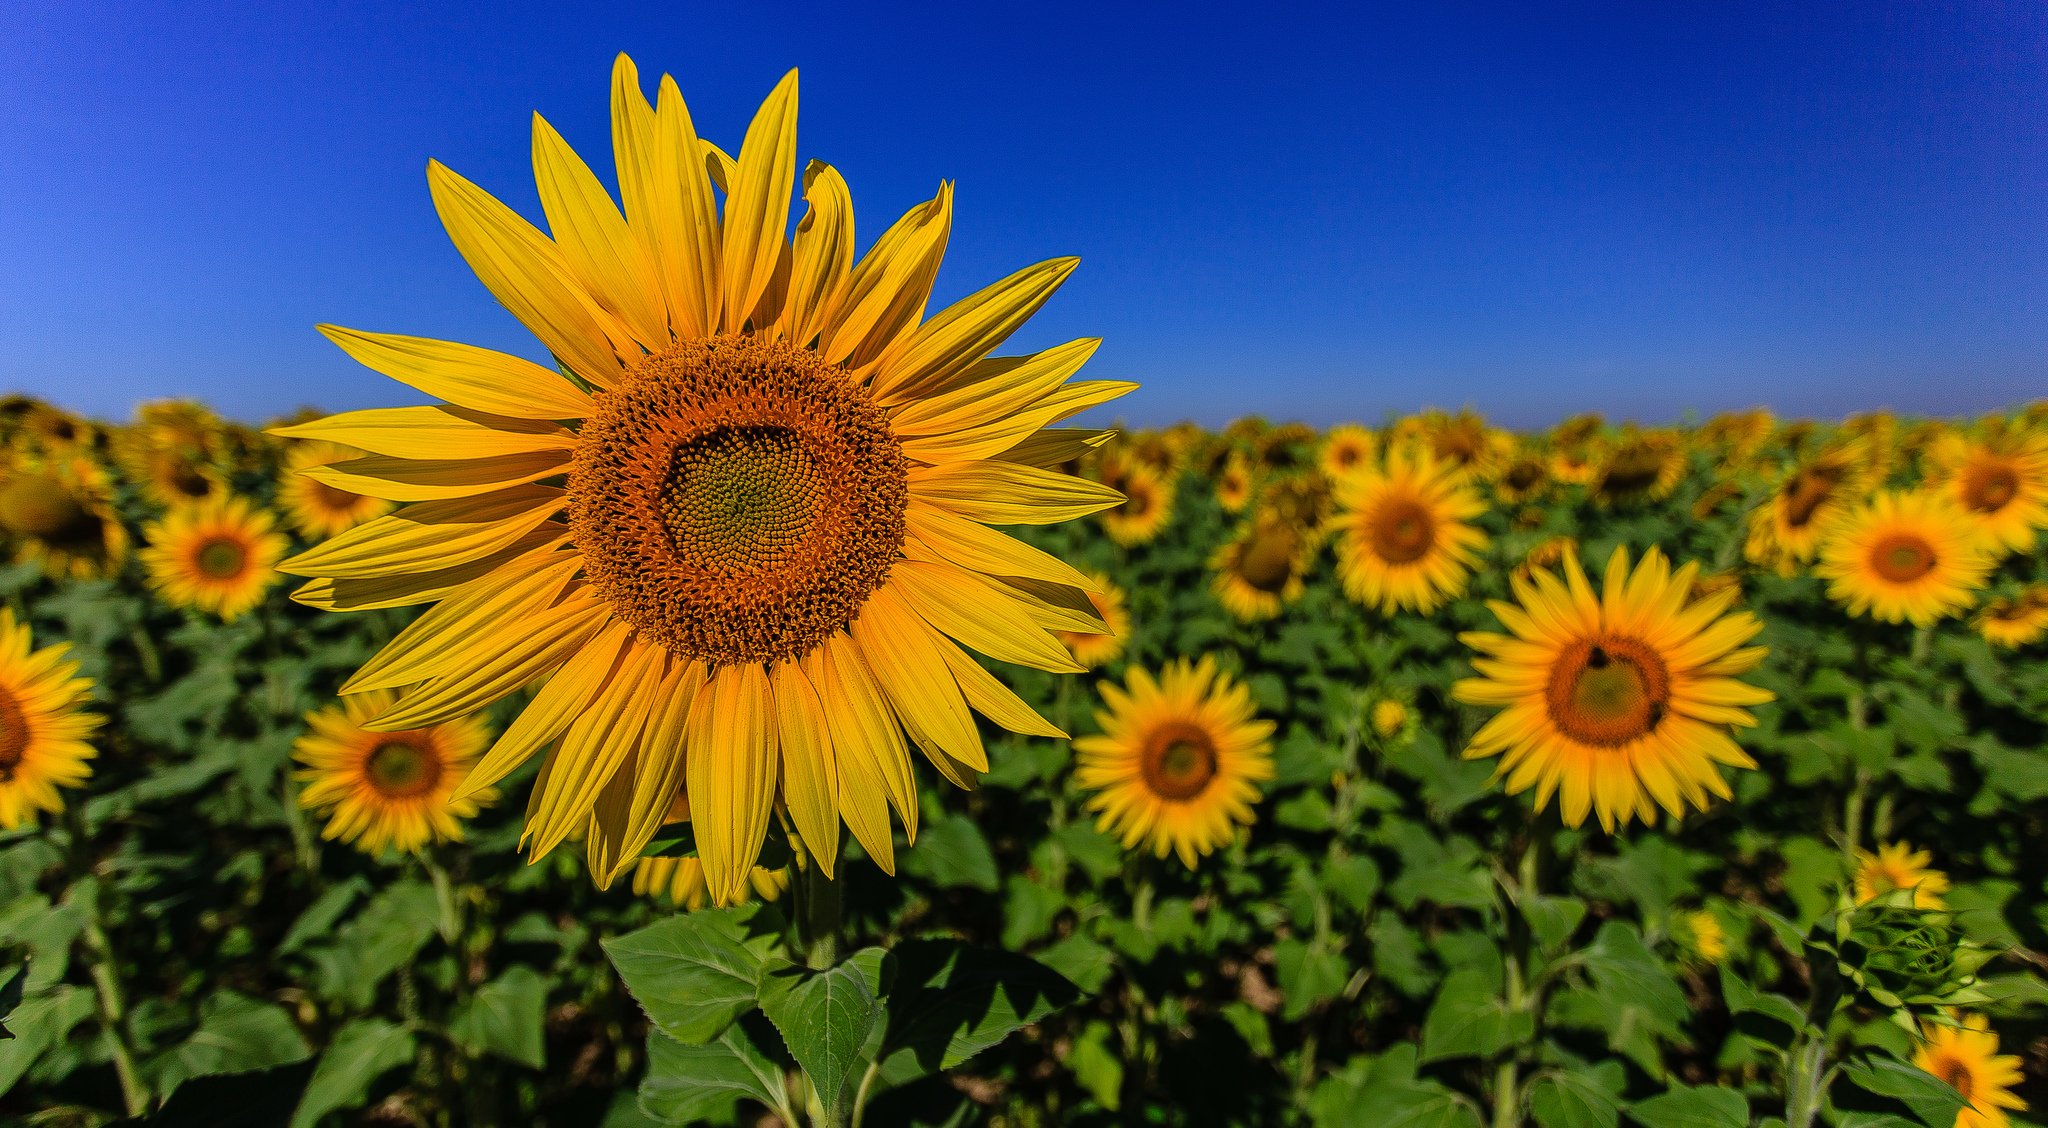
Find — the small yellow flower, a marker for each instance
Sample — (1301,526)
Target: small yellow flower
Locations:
(1389,715)
(383,789)
(43,727)
(1704,934)
(218,556)
(1346,447)
(1899,866)
(1967,1058)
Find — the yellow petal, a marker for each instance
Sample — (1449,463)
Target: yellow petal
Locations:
(979,614)
(822,255)
(1007,493)
(731,773)
(935,534)
(367,593)
(465,375)
(440,431)
(810,773)
(592,751)
(998,435)
(663,758)
(565,696)
(966,331)
(757,206)
(449,632)
(873,759)
(685,218)
(994,700)
(890,284)
(431,535)
(412,479)
(904,656)
(995,388)
(594,240)
(550,638)
(1054,447)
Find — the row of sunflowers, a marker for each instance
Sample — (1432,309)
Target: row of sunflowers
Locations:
(1324,851)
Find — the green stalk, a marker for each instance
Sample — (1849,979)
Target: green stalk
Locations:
(1807,1082)
(107,990)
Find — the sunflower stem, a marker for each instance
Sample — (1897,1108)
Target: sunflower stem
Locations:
(106,985)
(820,910)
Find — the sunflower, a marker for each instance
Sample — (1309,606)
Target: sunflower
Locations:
(1391,718)
(59,512)
(47,427)
(1905,557)
(1156,452)
(680,881)
(1406,538)
(1261,568)
(1179,760)
(218,556)
(1639,466)
(1234,483)
(1147,504)
(1736,435)
(1093,650)
(2001,484)
(174,451)
(1618,701)
(1525,478)
(1576,464)
(313,507)
(1899,866)
(1466,442)
(1715,498)
(773,505)
(1346,448)
(1966,1057)
(1785,531)
(2015,621)
(1286,448)
(388,787)
(43,730)
(1548,553)
(1704,936)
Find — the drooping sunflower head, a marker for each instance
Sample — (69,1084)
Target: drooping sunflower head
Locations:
(1262,568)
(1346,448)
(1899,866)
(1097,650)
(59,511)
(1235,483)
(2001,484)
(2017,620)
(1405,537)
(1179,760)
(396,788)
(1147,504)
(318,510)
(1640,466)
(1618,702)
(1905,557)
(219,556)
(742,567)
(1965,1056)
(44,726)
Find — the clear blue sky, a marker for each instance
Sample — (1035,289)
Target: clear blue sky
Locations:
(1315,213)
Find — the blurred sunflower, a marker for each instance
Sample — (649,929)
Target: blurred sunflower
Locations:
(1234,483)
(1715,498)
(1576,464)
(1155,452)
(1147,504)
(173,451)
(1704,936)
(1617,703)
(394,788)
(218,556)
(1876,436)
(1899,866)
(1466,442)
(1179,760)
(43,725)
(1639,466)
(1286,448)
(1346,447)
(1966,1058)
(1548,553)
(1261,568)
(316,509)
(1392,718)
(1785,531)
(53,430)
(1910,557)
(2001,484)
(1093,650)
(1405,534)
(2016,621)
(1736,436)
(59,512)
(777,498)
(1525,478)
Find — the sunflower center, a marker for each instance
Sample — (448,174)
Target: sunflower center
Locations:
(1523,475)
(737,500)
(41,506)
(1178,762)
(1608,691)
(1808,491)
(1902,558)
(1267,562)
(1955,1073)
(402,769)
(1402,531)
(14,734)
(184,478)
(335,500)
(221,558)
(1988,489)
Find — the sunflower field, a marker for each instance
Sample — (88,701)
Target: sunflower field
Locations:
(487,762)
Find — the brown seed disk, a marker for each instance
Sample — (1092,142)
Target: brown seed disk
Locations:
(1402,530)
(1902,558)
(737,500)
(1177,761)
(1608,691)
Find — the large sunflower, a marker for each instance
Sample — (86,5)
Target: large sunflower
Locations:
(313,507)
(59,511)
(218,556)
(388,787)
(1619,702)
(43,730)
(1966,1057)
(1091,649)
(1905,557)
(1899,866)
(1406,538)
(1179,759)
(2000,483)
(747,563)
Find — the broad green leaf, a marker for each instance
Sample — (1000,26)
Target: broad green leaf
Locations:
(39,1023)
(825,1019)
(1930,1098)
(361,1052)
(1684,1107)
(1469,1020)
(1589,1098)
(949,1001)
(1097,1066)
(1309,973)
(686,1083)
(319,918)
(691,973)
(951,852)
(504,1017)
(389,931)
(236,1034)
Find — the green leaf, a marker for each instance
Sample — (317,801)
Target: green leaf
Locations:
(824,1019)
(388,932)
(1087,964)
(1096,1066)
(1469,1020)
(1744,999)
(39,1023)
(236,1034)
(951,852)
(1309,973)
(504,1017)
(686,1083)
(1354,880)
(361,1052)
(1683,1107)
(10,996)
(319,918)
(1930,1098)
(1583,1099)
(948,1001)
(691,973)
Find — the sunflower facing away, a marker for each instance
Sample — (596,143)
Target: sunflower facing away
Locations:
(1406,538)
(2016,621)
(1091,649)
(745,569)
(2000,483)
(1261,568)
(1619,702)
(1178,762)
(1910,557)
(388,788)
(1899,866)
(59,512)
(43,730)
(218,556)
(316,509)
(1967,1058)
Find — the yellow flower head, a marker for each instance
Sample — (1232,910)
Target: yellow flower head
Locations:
(749,563)
(1147,502)
(1617,702)
(1346,448)
(1179,760)
(1525,478)
(1096,650)
(1705,936)
(1234,483)
(1405,533)
(43,727)
(1910,557)
(2000,483)
(1899,866)
(315,508)
(1785,531)
(1389,716)
(58,510)
(1640,466)
(1262,568)
(1967,1058)
(680,882)
(2016,621)
(217,556)
(174,451)
(388,788)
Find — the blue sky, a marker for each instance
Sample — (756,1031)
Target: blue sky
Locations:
(1307,212)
